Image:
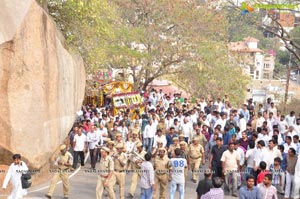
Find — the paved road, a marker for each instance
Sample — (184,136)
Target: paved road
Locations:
(83,186)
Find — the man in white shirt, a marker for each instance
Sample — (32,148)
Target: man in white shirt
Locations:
(123,130)
(149,133)
(187,130)
(102,134)
(288,144)
(272,109)
(221,121)
(202,103)
(273,153)
(80,147)
(176,175)
(242,123)
(92,140)
(159,138)
(260,120)
(264,136)
(297,126)
(230,165)
(282,125)
(168,122)
(291,119)
(260,154)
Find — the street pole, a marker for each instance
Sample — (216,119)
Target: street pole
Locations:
(287,80)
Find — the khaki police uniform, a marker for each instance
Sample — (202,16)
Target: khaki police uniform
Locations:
(120,172)
(162,127)
(62,172)
(161,166)
(136,130)
(202,139)
(135,174)
(195,157)
(172,148)
(105,167)
(184,154)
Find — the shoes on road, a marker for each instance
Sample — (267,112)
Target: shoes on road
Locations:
(48,196)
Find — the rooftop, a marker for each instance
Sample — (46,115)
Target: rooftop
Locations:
(241,46)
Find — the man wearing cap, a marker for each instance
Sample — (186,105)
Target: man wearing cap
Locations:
(184,154)
(173,146)
(159,137)
(201,137)
(135,138)
(181,139)
(106,179)
(120,161)
(155,151)
(110,145)
(161,167)
(119,140)
(64,161)
(136,129)
(136,165)
(162,125)
(196,154)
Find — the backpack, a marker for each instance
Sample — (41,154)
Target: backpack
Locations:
(26,180)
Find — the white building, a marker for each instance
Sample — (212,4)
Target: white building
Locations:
(254,61)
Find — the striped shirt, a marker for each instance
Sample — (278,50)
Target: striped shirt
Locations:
(268,192)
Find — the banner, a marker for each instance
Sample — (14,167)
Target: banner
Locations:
(127,100)
(117,87)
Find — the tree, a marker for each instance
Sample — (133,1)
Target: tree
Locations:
(91,27)
(174,35)
(270,24)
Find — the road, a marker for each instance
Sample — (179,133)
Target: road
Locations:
(83,186)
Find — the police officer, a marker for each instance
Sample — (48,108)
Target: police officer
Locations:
(184,154)
(175,145)
(120,160)
(120,141)
(64,161)
(106,179)
(195,156)
(136,165)
(161,167)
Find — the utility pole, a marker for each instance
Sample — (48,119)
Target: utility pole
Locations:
(288,80)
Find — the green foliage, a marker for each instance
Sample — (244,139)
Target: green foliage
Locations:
(295,34)
(283,57)
(160,37)
(91,27)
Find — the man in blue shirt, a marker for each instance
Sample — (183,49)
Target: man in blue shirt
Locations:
(250,191)
(170,136)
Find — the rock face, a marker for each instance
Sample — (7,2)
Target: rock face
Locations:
(41,83)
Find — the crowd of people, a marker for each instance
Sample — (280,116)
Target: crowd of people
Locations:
(248,141)
(251,151)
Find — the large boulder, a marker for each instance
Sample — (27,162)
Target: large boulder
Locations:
(41,83)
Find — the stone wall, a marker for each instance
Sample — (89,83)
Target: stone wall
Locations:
(41,83)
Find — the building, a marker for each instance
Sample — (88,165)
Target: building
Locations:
(254,61)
